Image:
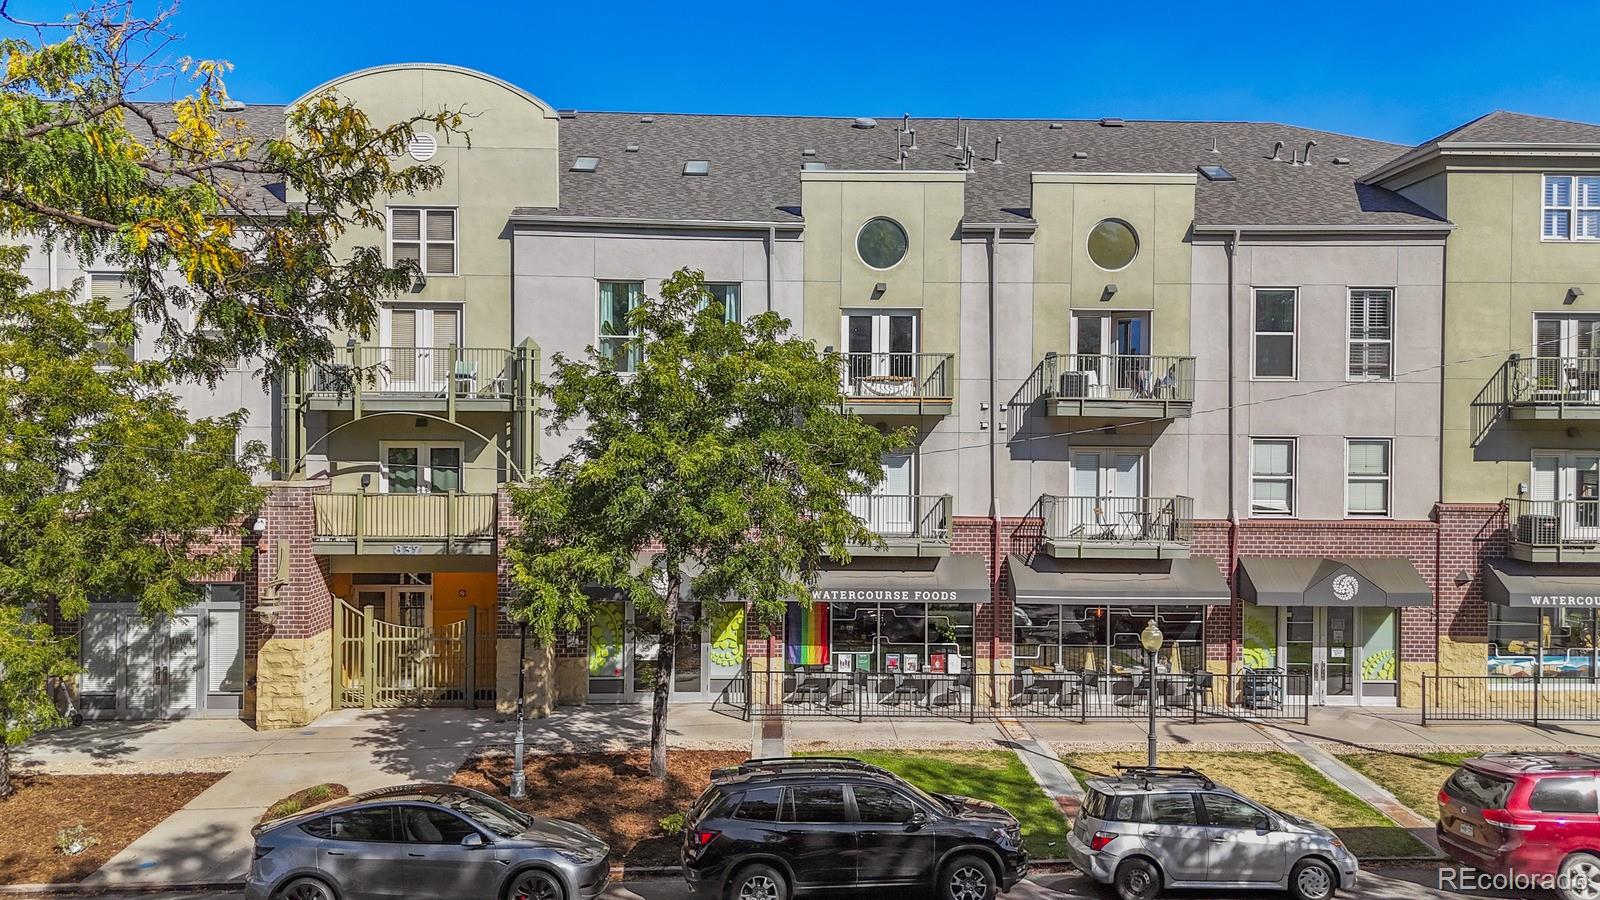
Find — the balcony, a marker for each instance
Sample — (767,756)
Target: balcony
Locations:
(1117,527)
(362,379)
(910,524)
(1554,530)
(1556,388)
(1110,386)
(404,524)
(898,384)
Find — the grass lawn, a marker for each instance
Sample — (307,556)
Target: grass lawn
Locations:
(993,775)
(1414,778)
(1282,781)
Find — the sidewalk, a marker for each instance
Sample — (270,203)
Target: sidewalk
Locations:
(209,839)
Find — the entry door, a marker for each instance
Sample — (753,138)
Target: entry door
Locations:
(890,508)
(418,341)
(1566,488)
(411,606)
(625,654)
(1319,643)
(1103,344)
(1107,487)
(153,667)
(181,672)
(882,344)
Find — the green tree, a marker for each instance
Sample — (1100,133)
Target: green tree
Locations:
(239,240)
(726,453)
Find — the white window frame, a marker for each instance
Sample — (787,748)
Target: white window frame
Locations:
(1572,209)
(1294,334)
(1293,477)
(1387,479)
(423,241)
(600,337)
(1350,340)
(131,349)
(424,466)
(1107,471)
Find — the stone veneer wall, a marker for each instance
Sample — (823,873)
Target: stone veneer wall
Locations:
(289,664)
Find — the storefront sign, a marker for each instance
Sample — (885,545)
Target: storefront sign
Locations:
(1563,600)
(873,595)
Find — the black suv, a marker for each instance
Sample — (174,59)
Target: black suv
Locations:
(771,828)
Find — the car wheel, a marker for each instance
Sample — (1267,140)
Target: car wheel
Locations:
(305,889)
(1138,879)
(758,882)
(967,878)
(1579,878)
(1312,879)
(535,885)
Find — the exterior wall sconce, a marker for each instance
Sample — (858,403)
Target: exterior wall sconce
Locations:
(879,289)
(1462,578)
(1573,293)
(1108,293)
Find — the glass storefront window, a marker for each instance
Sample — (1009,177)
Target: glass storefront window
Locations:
(1260,636)
(1051,638)
(1379,665)
(899,637)
(1557,643)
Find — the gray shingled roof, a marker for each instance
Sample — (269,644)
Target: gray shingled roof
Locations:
(1502,127)
(755,165)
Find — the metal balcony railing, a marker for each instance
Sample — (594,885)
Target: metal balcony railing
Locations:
(1558,385)
(469,373)
(1554,523)
(1120,377)
(449,518)
(920,517)
(897,376)
(1117,520)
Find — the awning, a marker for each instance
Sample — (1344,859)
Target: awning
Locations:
(958,578)
(1174,582)
(1316,581)
(641,563)
(1512,583)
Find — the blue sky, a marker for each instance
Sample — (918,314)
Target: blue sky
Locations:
(1396,71)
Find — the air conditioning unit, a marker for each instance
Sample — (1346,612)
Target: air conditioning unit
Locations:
(1075,385)
(1539,531)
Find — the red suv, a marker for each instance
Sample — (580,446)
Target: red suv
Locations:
(1527,815)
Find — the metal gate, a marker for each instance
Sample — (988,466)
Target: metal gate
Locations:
(381,664)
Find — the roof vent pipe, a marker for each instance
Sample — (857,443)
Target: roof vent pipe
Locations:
(958,131)
(996,159)
(913,144)
(903,154)
(905,121)
(1277,148)
(1214,146)
(966,137)
(1309,145)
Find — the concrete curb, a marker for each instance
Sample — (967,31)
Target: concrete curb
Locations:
(79,889)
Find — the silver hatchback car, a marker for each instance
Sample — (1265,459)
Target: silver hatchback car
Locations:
(1154,828)
(424,840)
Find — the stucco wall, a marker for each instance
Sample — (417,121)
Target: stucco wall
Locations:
(1320,407)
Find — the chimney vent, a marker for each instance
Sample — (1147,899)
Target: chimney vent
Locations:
(1112,122)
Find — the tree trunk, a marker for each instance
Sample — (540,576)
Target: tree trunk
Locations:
(5,769)
(664,663)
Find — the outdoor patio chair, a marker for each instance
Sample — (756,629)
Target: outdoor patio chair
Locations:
(901,689)
(466,377)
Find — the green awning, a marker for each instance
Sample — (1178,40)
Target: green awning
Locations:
(1316,581)
(1512,583)
(1195,581)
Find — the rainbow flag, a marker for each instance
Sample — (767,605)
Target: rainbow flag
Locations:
(805,635)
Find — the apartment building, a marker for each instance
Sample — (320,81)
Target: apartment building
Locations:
(1184,372)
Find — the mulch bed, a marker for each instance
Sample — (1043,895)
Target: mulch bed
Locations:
(611,794)
(114,808)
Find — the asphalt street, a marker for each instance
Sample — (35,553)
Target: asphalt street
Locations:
(1378,883)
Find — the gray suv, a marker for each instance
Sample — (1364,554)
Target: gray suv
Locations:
(424,840)
(1153,828)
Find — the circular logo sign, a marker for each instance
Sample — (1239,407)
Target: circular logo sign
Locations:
(422,147)
(1345,587)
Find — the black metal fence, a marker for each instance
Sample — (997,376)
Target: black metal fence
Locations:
(1081,696)
(1532,698)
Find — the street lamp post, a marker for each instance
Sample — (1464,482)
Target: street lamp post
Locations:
(519,778)
(1151,638)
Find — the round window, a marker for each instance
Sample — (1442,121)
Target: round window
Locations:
(882,243)
(1113,244)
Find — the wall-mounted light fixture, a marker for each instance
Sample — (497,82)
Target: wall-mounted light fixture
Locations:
(1462,578)
(1573,293)
(1108,293)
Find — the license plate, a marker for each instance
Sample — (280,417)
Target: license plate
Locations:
(1465,828)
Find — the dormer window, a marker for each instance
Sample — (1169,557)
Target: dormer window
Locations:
(1571,208)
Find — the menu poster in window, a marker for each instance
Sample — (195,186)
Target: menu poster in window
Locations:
(953,663)
(912,662)
(844,662)
(936,663)
(891,662)
(863,662)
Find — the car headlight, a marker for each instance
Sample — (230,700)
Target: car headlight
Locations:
(583,857)
(1007,837)
(1339,845)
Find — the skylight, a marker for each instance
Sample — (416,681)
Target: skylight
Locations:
(697,167)
(813,166)
(586,164)
(1216,173)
